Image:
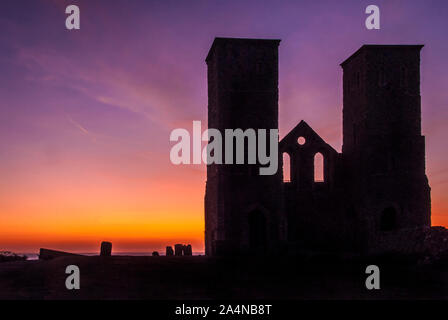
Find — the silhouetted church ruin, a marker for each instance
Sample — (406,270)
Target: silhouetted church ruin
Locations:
(363,196)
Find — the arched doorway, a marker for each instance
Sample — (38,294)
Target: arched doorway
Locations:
(257,231)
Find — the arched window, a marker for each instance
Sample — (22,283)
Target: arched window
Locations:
(318,167)
(286,167)
(388,219)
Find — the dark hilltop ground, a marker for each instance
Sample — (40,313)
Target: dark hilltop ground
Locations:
(200,277)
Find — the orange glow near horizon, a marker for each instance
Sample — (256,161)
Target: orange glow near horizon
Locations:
(63,224)
(139,216)
(133,233)
(439,217)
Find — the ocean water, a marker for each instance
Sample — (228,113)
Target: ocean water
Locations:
(35,256)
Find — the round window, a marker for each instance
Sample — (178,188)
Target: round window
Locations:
(301,141)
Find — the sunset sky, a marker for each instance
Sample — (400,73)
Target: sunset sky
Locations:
(85,115)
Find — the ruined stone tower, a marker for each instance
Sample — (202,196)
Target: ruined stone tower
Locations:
(242,208)
(383,149)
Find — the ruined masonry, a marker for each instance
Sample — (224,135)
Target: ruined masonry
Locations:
(376,187)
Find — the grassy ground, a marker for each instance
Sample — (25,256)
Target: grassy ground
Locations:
(122,277)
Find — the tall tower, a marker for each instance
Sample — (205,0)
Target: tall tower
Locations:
(242,208)
(383,149)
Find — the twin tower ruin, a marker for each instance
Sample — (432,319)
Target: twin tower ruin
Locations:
(365,195)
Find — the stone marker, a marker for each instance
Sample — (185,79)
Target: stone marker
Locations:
(188,250)
(155,254)
(106,249)
(169,251)
(178,248)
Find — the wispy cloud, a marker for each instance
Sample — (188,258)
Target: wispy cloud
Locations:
(82,129)
(77,125)
(162,96)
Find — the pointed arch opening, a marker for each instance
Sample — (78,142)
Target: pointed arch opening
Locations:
(319,167)
(286,167)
